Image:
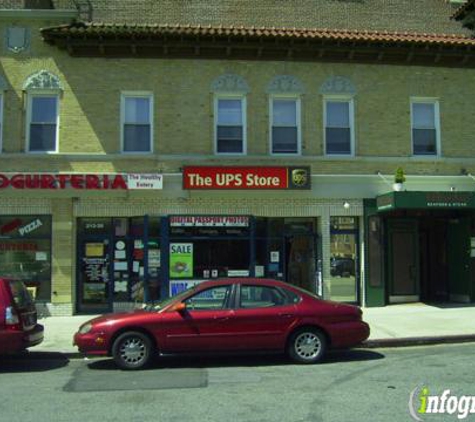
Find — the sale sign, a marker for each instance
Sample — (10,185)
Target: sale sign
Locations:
(201,177)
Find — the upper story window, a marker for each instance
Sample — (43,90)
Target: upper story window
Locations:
(285,92)
(425,126)
(339,130)
(285,125)
(230,92)
(136,118)
(42,112)
(43,122)
(230,125)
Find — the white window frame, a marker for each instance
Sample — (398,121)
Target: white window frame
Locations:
(136,94)
(243,99)
(1,121)
(435,103)
(297,100)
(30,96)
(351,110)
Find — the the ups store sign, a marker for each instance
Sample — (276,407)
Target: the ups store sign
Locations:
(204,177)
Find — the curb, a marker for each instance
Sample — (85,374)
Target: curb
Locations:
(368,344)
(417,341)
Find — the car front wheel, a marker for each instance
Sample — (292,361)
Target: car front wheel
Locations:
(307,345)
(132,350)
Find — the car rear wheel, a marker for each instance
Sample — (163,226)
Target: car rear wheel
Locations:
(307,345)
(132,350)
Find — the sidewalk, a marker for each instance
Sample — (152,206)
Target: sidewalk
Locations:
(394,325)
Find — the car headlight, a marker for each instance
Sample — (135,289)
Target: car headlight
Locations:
(85,328)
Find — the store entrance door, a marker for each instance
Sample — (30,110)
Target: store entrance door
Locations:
(301,258)
(459,253)
(94,281)
(403,261)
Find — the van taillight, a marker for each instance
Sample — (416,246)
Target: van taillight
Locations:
(12,321)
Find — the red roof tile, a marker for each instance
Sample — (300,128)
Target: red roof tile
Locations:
(462,10)
(104,30)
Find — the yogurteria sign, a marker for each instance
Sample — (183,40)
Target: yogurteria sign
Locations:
(80,181)
(200,177)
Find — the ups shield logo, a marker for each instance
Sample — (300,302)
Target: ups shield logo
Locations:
(299,178)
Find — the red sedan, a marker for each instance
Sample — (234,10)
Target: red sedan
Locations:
(229,315)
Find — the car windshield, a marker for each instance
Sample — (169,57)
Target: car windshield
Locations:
(168,300)
(21,296)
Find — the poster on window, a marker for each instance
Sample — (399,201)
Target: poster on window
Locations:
(181,260)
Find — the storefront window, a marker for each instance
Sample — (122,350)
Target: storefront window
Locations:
(119,261)
(25,252)
(286,249)
(207,247)
(344,259)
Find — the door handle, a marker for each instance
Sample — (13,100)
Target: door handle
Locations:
(284,315)
(216,318)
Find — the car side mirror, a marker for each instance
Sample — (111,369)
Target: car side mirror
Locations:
(178,307)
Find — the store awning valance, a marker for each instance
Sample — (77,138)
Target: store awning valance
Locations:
(425,200)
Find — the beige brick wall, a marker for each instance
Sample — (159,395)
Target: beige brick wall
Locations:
(183,114)
(62,251)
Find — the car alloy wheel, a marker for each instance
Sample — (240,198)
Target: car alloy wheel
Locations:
(307,345)
(132,350)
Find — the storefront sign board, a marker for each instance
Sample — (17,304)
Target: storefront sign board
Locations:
(78,181)
(425,200)
(257,178)
(145,181)
(209,221)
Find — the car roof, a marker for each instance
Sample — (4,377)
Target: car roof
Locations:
(249,280)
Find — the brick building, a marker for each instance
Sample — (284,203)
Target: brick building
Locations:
(149,145)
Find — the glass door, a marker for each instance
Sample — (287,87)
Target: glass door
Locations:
(94,276)
(344,260)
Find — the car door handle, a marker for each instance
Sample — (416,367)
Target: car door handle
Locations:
(284,315)
(224,318)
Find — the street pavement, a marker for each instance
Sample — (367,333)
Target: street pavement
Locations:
(394,325)
(380,385)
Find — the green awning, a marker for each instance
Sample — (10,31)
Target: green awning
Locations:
(425,200)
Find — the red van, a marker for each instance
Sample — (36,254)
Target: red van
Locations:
(18,318)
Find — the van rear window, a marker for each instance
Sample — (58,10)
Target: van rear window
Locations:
(21,296)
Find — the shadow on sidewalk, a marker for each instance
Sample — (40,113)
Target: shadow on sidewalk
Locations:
(176,362)
(32,362)
(448,305)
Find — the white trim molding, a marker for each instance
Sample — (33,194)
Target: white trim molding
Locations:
(136,94)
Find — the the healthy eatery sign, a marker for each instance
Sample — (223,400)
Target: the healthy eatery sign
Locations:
(201,177)
(80,181)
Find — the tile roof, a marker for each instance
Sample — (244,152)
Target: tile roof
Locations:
(105,31)
(462,10)
(424,16)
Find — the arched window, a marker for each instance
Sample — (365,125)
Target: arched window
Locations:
(42,112)
(285,131)
(338,116)
(230,132)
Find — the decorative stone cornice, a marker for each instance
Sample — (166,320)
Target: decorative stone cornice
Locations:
(337,85)
(285,84)
(230,83)
(42,80)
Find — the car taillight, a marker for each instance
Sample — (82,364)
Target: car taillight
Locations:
(12,320)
